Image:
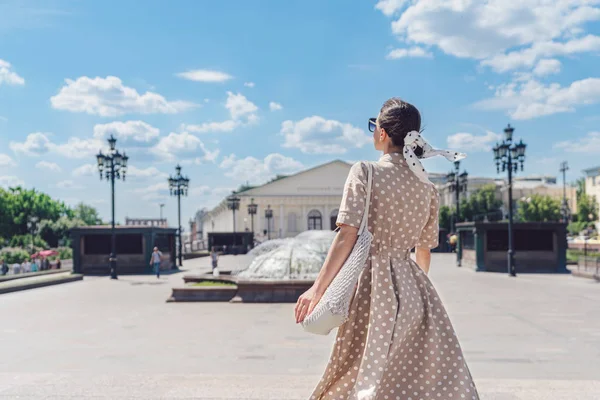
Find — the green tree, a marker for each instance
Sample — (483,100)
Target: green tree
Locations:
(445,221)
(481,203)
(55,231)
(87,214)
(539,208)
(587,209)
(580,184)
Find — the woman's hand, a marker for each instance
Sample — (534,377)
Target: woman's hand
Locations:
(306,303)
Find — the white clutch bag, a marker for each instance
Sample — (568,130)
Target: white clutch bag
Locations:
(333,308)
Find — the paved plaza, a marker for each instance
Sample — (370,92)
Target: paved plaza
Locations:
(533,337)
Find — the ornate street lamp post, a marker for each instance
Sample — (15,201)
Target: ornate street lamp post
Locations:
(268,216)
(564,167)
(32,228)
(112,166)
(233,203)
(178,186)
(509,155)
(252,209)
(458,184)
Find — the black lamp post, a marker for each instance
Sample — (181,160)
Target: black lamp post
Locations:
(564,167)
(509,155)
(112,166)
(233,203)
(32,228)
(268,216)
(458,184)
(178,186)
(252,209)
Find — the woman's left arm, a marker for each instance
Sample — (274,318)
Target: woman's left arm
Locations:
(339,251)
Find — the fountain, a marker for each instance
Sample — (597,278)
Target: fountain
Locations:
(281,270)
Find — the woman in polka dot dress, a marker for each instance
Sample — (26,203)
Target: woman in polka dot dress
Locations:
(398,343)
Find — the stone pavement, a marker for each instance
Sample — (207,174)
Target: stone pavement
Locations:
(533,337)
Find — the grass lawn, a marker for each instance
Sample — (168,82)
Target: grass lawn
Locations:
(574,254)
(209,283)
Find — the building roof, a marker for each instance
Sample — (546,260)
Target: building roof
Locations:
(595,171)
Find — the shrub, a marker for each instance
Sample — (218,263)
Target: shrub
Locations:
(24,241)
(14,255)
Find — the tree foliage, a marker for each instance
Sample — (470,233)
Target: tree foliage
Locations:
(539,208)
(49,219)
(587,209)
(480,204)
(445,220)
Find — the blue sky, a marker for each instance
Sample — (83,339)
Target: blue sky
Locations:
(240,91)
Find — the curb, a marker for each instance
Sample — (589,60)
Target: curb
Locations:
(39,284)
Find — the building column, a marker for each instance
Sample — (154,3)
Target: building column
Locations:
(303,220)
(325,220)
(281,218)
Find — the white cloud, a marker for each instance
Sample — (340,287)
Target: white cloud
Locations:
(390,7)
(10,181)
(587,144)
(48,166)
(531,99)
(108,97)
(3,119)
(157,191)
(527,58)
(317,135)
(85,170)
(241,110)
(38,143)
(249,84)
(547,67)
(145,173)
(205,75)
(78,148)
(182,144)
(8,76)
(34,145)
(259,171)
(411,52)
(223,126)
(468,141)
(275,106)
(68,184)
(239,106)
(138,131)
(487,30)
(6,161)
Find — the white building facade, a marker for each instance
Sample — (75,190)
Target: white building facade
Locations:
(304,201)
(592,187)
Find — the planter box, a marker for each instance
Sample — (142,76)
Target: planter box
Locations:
(282,291)
(199,293)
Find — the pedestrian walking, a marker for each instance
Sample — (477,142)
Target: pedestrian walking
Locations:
(214,256)
(3,267)
(398,342)
(155,261)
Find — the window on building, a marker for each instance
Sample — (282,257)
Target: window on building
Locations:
(292,219)
(333,218)
(315,221)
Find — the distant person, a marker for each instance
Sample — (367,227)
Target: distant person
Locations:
(34,266)
(16,268)
(453,241)
(26,266)
(3,267)
(214,256)
(155,261)
(58,264)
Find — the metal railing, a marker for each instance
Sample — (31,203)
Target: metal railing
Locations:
(589,264)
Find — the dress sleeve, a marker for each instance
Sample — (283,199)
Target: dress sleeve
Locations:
(429,237)
(354,197)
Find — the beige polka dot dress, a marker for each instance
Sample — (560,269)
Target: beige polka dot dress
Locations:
(398,343)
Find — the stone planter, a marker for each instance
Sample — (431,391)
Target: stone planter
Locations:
(282,291)
(200,293)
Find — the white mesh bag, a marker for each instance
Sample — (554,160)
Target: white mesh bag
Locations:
(332,310)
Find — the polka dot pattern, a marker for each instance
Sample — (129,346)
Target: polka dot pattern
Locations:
(398,343)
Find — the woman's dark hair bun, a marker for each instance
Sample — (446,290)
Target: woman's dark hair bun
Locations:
(397,118)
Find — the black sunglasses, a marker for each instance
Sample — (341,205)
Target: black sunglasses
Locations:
(372,124)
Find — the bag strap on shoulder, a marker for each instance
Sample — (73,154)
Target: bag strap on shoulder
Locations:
(365,219)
